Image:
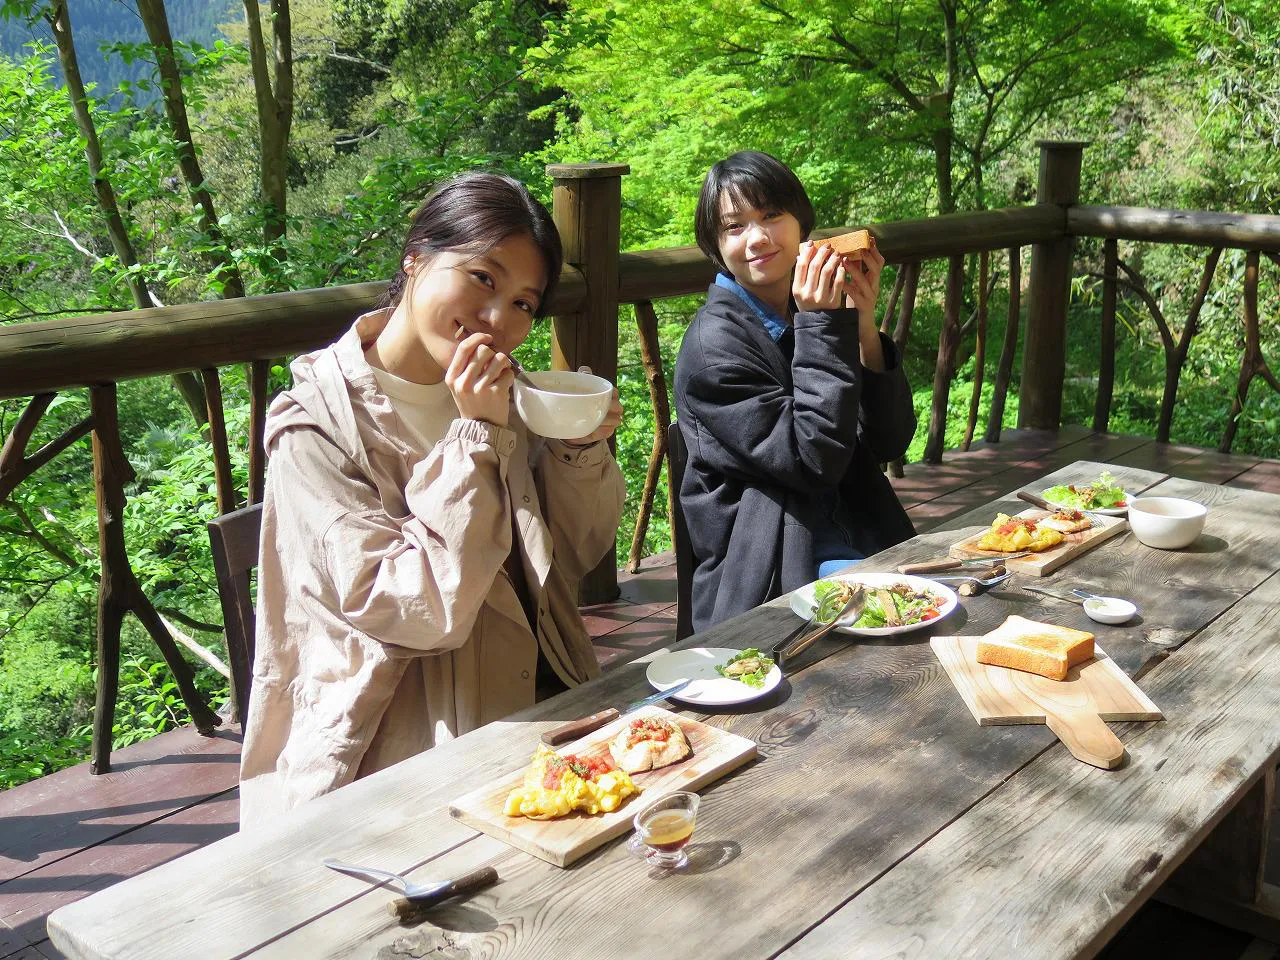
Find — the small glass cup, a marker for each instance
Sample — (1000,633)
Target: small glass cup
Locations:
(663,828)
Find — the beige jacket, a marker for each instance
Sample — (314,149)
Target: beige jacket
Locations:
(386,621)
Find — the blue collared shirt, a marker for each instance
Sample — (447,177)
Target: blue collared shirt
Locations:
(774,325)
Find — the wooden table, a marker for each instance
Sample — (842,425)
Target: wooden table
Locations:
(880,819)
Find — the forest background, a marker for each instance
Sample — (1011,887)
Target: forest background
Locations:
(316,126)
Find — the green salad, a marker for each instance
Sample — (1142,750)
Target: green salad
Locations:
(910,606)
(750,666)
(1103,494)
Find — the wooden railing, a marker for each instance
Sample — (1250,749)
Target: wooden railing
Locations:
(39,359)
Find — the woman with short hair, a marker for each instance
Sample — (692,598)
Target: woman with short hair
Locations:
(788,398)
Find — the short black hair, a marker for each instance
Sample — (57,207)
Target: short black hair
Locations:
(477,211)
(756,178)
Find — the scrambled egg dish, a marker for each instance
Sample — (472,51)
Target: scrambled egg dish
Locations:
(1015,534)
(554,786)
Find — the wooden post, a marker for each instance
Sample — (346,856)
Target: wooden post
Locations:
(651,355)
(948,340)
(1004,371)
(1107,358)
(1045,350)
(118,588)
(980,349)
(259,371)
(587,207)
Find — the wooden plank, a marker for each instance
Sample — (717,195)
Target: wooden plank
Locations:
(1075,709)
(714,754)
(1054,864)
(26,902)
(1046,561)
(858,727)
(53,817)
(110,347)
(1264,476)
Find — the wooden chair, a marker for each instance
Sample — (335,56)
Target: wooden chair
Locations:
(678,456)
(234,538)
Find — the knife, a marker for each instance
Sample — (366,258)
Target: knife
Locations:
(581,727)
(950,563)
(660,695)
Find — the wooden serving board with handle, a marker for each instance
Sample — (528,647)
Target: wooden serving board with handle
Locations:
(714,753)
(1046,561)
(1075,709)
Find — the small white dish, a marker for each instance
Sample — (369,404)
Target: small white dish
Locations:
(1167,523)
(1109,609)
(708,689)
(566,405)
(802,601)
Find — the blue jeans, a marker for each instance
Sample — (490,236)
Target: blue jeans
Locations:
(829,568)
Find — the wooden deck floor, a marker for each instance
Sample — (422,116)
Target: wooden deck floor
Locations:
(64,836)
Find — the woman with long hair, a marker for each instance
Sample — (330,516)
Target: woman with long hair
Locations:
(420,550)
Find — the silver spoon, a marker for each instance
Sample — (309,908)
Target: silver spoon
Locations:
(516,367)
(420,891)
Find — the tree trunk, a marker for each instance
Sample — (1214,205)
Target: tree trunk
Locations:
(60,22)
(156,21)
(274,96)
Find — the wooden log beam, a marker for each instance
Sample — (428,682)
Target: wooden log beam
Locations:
(1200,227)
(1253,364)
(587,208)
(82,351)
(1004,371)
(678,271)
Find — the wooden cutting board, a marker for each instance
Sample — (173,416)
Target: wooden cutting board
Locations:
(714,753)
(1075,709)
(1046,561)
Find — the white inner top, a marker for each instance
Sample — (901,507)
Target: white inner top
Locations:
(426,409)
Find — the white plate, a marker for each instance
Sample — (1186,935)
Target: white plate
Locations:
(802,603)
(1104,512)
(708,689)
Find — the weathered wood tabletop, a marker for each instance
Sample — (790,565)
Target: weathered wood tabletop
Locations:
(880,819)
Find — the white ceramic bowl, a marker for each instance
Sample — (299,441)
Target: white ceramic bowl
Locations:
(566,405)
(1166,522)
(1109,609)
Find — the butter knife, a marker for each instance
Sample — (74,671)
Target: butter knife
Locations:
(660,695)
